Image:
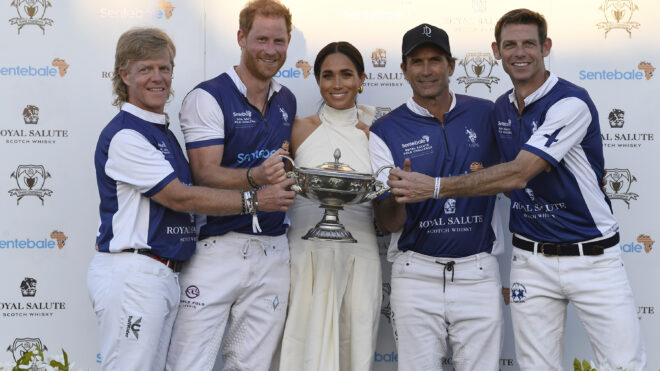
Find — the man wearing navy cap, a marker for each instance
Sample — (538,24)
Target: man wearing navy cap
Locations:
(445,280)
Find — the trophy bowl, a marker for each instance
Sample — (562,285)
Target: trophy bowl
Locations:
(333,185)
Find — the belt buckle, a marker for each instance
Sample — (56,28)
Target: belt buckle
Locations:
(542,246)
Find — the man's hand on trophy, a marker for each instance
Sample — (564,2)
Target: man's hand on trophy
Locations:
(272,170)
(408,186)
(276,197)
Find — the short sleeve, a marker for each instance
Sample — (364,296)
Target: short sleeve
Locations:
(201,119)
(380,156)
(565,125)
(135,161)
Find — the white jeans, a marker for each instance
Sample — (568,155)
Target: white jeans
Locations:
(240,282)
(542,286)
(432,304)
(135,299)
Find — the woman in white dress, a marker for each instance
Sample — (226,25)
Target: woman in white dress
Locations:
(335,296)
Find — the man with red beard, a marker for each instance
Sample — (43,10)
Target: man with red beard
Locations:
(234,127)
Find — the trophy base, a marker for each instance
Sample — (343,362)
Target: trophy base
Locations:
(329,228)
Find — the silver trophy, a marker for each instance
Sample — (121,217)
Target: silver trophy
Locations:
(333,185)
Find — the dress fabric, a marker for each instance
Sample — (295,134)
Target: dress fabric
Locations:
(336,288)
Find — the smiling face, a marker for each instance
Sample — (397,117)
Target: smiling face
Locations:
(339,81)
(427,69)
(264,46)
(148,82)
(522,54)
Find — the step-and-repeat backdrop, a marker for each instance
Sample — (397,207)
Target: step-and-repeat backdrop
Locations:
(55,97)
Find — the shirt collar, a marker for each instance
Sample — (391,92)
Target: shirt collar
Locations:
(539,93)
(419,110)
(274,85)
(156,118)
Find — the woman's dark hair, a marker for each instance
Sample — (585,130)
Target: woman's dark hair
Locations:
(344,48)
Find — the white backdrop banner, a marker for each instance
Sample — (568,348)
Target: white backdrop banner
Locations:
(55,97)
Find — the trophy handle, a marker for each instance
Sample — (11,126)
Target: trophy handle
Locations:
(293,174)
(379,187)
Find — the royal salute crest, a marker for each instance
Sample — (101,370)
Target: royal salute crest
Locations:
(30,180)
(31,12)
(618,15)
(478,68)
(618,185)
(379,58)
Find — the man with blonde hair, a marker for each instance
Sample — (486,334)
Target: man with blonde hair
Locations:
(236,286)
(146,230)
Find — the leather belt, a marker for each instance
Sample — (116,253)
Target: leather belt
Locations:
(567,249)
(175,266)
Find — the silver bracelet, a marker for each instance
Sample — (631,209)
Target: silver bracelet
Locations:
(436,189)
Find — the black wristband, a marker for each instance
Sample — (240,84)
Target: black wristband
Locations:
(250,180)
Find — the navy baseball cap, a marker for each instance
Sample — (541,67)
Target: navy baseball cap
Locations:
(425,34)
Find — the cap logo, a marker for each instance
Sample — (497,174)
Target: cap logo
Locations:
(426,31)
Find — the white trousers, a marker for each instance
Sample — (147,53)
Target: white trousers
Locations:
(135,299)
(542,286)
(239,282)
(433,304)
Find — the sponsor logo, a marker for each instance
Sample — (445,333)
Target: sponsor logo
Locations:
(426,31)
(386,357)
(263,153)
(478,67)
(646,241)
(644,71)
(643,243)
(450,206)
(28,307)
(477,21)
(302,69)
(164,9)
(618,185)
(133,327)
(285,117)
(30,180)
(472,138)
(167,8)
(537,211)
(416,148)
(504,129)
(647,68)
(32,135)
(478,5)
(381,111)
(192,291)
(57,66)
(617,139)
(507,362)
(57,238)
(379,58)
(383,78)
(31,115)
(276,302)
(616,118)
(535,127)
(162,147)
(518,293)
(645,311)
(31,12)
(618,15)
(25,345)
(386,307)
(28,287)
(243,120)
(530,193)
